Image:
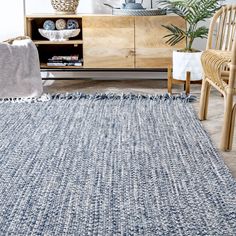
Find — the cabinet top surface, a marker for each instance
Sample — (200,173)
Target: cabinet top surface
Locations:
(54,15)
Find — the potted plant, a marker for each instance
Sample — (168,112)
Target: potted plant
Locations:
(193,12)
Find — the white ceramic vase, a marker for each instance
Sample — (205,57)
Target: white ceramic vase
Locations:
(184,62)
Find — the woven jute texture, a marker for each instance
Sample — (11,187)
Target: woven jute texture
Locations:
(111,165)
(66,6)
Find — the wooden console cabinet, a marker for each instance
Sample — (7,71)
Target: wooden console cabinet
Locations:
(151,50)
(110,42)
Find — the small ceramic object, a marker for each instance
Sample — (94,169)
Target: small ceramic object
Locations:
(72,24)
(60,24)
(49,25)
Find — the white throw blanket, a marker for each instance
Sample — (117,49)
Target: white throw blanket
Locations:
(19,70)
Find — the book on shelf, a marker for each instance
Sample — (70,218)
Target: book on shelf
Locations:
(64,64)
(66,58)
(65,61)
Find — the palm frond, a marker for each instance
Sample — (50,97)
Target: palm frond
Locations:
(193,12)
(176,35)
(175,7)
(200,32)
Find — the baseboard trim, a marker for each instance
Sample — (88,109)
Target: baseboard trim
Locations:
(103,75)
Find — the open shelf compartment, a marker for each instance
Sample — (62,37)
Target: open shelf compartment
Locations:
(48,51)
(37,23)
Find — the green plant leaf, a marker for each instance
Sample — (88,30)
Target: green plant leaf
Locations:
(193,12)
(176,35)
(200,32)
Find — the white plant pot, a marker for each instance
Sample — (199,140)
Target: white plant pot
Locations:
(184,62)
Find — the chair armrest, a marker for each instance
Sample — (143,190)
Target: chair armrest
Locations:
(216,65)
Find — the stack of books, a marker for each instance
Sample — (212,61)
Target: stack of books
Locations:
(65,61)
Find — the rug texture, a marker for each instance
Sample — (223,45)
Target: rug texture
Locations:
(111,165)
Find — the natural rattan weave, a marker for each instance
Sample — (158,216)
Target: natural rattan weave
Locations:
(65,6)
(10,41)
(215,62)
(219,64)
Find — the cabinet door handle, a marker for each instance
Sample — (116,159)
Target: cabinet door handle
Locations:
(132,52)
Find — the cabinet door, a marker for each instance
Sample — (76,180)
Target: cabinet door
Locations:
(150,46)
(108,41)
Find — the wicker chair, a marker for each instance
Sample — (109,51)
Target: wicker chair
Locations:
(219,64)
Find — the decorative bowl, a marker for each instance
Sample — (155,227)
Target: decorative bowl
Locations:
(59,35)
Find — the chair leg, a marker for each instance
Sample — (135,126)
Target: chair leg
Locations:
(232,127)
(204,100)
(169,80)
(228,124)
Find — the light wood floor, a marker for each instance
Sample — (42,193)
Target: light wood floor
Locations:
(215,115)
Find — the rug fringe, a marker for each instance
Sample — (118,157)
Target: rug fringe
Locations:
(43,98)
(101,96)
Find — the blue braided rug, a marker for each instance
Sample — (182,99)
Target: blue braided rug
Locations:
(111,165)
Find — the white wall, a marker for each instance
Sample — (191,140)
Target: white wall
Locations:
(11,19)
